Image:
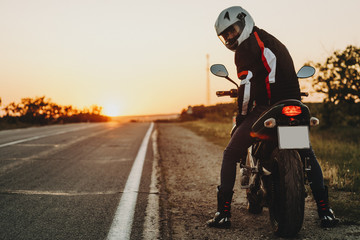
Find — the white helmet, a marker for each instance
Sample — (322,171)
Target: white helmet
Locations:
(233,26)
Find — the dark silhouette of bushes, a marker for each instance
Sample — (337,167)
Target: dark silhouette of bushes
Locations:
(222,112)
(41,111)
(339,79)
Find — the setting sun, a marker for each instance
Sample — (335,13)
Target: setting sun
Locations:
(112,110)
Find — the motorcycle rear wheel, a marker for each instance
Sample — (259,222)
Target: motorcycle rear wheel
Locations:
(288,193)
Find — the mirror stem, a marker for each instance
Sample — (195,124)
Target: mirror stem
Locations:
(232,81)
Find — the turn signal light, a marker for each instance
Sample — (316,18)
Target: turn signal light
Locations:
(270,123)
(291,111)
(314,121)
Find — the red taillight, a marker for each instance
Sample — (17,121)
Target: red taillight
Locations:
(291,111)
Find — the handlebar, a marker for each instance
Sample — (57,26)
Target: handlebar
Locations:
(232,93)
(222,93)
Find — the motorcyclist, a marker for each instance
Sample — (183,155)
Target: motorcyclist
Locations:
(267,75)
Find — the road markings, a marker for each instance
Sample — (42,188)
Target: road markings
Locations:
(56,193)
(24,140)
(46,152)
(42,136)
(151,224)
(124,215)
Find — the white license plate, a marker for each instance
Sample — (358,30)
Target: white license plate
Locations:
(295,137)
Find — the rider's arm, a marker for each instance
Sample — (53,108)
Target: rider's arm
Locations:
(251,72)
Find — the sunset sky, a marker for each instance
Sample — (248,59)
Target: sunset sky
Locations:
(148,57)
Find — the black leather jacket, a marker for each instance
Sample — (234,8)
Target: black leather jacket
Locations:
(266,70)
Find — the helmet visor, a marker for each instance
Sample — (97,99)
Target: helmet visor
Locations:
(230,35)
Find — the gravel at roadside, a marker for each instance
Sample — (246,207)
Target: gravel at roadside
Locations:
(190,172)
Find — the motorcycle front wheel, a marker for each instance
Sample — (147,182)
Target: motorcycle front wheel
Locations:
(287,202)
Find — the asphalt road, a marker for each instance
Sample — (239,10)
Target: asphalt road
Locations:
(66,181)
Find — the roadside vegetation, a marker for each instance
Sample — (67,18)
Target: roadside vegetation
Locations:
(41,111)
(336,141)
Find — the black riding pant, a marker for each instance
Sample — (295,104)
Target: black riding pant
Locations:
(241,141)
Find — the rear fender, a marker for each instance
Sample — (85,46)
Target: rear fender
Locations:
(259,130)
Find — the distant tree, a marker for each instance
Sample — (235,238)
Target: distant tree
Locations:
(11,109)
(33,110)
(339,79)
(339,76)
(96,110)
(68,111)
(42,111)
(221,112)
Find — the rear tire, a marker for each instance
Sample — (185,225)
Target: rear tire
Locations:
(288,193)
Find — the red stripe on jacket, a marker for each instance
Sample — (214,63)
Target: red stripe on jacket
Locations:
(266,65)
(243,73)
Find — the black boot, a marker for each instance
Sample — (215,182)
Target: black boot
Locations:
(223,214)
(326,214)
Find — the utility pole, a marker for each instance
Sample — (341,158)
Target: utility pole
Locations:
(207,80)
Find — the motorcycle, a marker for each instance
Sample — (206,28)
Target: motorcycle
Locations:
(274,171)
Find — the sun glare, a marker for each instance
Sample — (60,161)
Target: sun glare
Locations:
(112,110)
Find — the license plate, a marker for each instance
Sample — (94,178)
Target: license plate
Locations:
(294,137)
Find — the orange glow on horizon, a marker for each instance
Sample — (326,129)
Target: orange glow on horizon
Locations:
(112,110)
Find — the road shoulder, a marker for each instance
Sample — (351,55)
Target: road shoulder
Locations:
(190,171)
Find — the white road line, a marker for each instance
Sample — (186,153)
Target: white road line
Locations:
(55,193)
(19,161)
(123,219)
(42,136)
(22,140)
(151,224)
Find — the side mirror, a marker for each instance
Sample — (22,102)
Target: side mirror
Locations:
(305,72)
(219,70)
